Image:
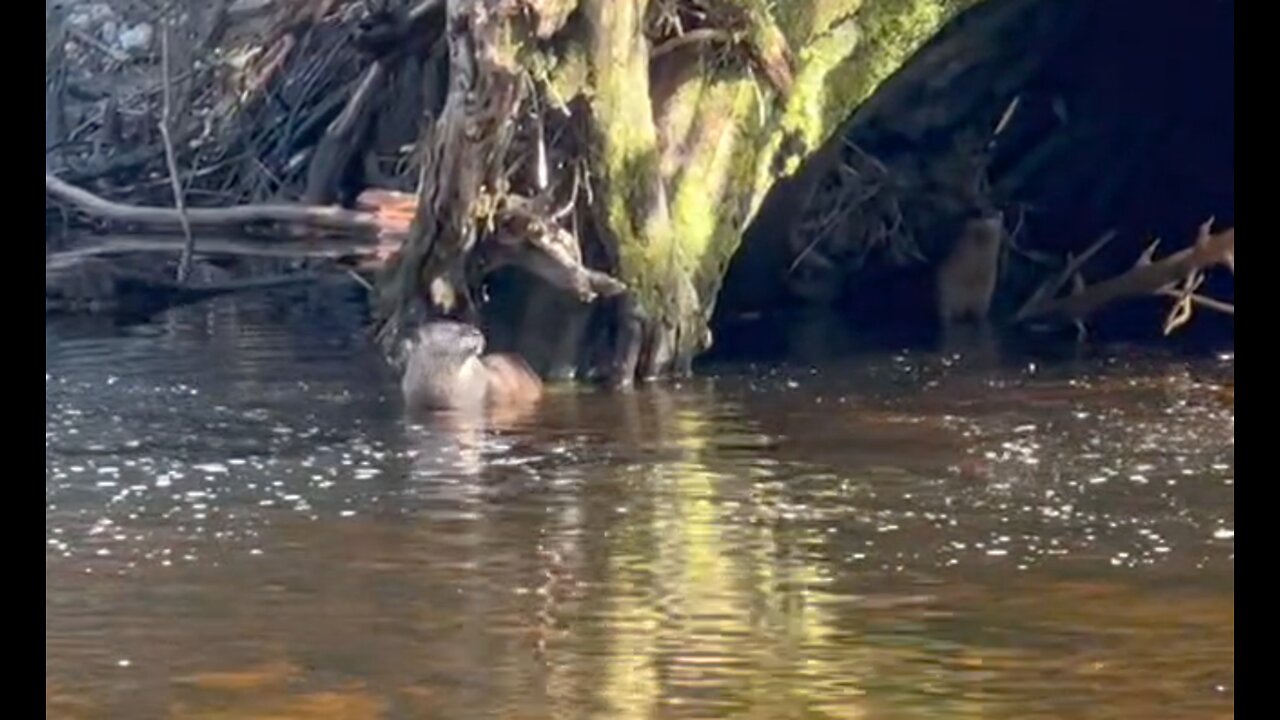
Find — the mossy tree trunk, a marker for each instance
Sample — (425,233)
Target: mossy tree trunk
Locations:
(618,148)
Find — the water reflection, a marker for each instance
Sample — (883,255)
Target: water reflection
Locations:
(240,523)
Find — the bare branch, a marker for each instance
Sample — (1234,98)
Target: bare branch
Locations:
(1145,278)
(179,199)
(1207,302)
(1180,313)
(1047,291)
(157,219)
(586,284)
(335,149)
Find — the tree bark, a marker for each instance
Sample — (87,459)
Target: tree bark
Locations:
(677,151)
(463,155)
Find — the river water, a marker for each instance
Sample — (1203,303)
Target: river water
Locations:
(240,523)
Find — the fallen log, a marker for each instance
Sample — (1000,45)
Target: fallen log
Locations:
(169,220)
(1147,277)
(382,219)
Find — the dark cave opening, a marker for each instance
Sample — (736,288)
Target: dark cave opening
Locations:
(1128,124)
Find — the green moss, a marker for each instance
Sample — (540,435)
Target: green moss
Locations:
(842,51)
(566,76)
(803,119)
(552,15)
(676,121)
(721,122)
(839,67)
(650,261)
(892,31)
(803,115)
(765,32)
(805,20)
(707,202)
(629,162)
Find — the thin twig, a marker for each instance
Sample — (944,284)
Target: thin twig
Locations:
(1045,293)
(1007,115)
(563,212)
(1181,311)
(356,276)
(188,249)
(1208,302)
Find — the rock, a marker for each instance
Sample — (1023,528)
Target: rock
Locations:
(136,39)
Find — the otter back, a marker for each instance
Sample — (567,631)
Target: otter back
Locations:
(511,380)
(967,278)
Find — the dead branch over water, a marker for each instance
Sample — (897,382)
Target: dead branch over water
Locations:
(1185,268)
(281,217)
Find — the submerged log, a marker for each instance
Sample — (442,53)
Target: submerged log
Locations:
(87,284)
(353,250)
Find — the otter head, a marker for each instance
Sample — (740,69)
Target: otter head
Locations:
(443,369)
(450,338)
(984,229)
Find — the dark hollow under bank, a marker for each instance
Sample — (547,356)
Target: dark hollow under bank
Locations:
(1127,124)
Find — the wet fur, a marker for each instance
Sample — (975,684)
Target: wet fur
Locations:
(446,371)
(966,280)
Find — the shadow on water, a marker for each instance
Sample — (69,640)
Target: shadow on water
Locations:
(240,523)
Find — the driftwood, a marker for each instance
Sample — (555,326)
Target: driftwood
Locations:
(167,220)
(549,260)
(393,209)
(485,190)
(535,241)
(1148,277)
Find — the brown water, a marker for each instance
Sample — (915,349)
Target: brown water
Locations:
(240,524)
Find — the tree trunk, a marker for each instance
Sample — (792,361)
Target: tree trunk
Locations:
(634,137)
(463,153)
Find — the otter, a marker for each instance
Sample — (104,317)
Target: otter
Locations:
(966,280)
(446,370)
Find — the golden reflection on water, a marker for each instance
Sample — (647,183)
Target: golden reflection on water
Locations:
(673,585)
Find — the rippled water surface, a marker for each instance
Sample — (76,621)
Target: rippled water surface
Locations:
(240,523)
